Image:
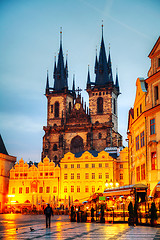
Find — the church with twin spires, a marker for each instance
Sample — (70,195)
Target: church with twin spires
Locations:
(73,127)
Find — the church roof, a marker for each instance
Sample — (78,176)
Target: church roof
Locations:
(93,152)
(2,147)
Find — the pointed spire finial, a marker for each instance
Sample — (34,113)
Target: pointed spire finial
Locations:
(102,27)
(61,35)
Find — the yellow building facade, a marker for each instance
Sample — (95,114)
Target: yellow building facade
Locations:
(77,178)
(143,127)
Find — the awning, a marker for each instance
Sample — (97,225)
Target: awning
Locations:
(117,193)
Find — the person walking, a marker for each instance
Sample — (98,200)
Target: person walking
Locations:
(48,212)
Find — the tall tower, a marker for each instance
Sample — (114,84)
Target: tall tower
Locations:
(103,94)
(59,103)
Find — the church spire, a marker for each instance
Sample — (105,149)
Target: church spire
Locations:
(110,67)
(117,82)
(61,76)
(96,63)
(73,86)
(54,72)
(47,84)
(102,77)
(88,79)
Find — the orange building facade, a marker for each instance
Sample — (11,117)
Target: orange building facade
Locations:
(77,178)
(143,128)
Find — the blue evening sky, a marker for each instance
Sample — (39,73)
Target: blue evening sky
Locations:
(30,39)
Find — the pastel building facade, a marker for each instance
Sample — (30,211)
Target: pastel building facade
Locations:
(143,128)
(78,177)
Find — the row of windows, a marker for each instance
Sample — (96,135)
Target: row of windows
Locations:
(142,173)
(100,93)
(142,141)
(25,175)
(78,189)
(41,190)
(93,176)
(93,165)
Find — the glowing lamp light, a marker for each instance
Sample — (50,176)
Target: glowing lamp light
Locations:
(106,184)
(11,196)
(117,184)
(13,201)
(111,184)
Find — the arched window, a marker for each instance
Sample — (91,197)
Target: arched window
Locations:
(56,109)
(100,105)
(55,147)
(76,145)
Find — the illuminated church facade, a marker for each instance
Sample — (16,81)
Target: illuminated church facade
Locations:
(71,126)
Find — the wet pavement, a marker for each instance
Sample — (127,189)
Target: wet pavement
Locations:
(17,226)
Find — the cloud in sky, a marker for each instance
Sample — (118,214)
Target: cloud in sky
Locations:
(30,39)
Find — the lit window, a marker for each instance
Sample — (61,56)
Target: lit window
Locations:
(54,189)
(143,175)
(137,143)
(152,126)
(86,189)
(100,175)
(86,165)
(107,175)
(65,189)
(41,174)
(121,166)
(65,166)
(27,189)
(40,189)
(142,139)
(93,175)
(138,173)
(20,190)
(47,189)
(78,188)
(13,190)
(72,175)
(16,175)
(72,165)
(78,165)
(86,175)
(121,176)
(106,165)
(93,189)
(153,160)
(93,165)
(100,165)
(65,176)
(78,175)
(72,188)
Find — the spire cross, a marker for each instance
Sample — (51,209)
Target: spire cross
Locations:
(78,90)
